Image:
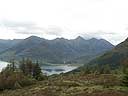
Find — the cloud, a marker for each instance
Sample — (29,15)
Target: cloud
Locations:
(16,29)
(97,34)
(13,24)
(30,28)
(22,27)
(126,28)
(54,30)
(112,37)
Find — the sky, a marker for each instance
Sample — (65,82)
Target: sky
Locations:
(107,19)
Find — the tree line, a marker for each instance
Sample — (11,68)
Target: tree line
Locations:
(30,69)
(20,74)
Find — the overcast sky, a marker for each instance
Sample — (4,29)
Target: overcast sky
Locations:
(106,19)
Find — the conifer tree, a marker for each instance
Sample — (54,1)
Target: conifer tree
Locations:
(22,65)
(29,67)
(37,71)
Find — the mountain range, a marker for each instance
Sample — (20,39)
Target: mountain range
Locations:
(59,50)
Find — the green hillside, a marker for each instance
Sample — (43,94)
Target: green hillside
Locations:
(115,57)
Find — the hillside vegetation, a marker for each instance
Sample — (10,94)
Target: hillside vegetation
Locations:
(114,58)
(74,85)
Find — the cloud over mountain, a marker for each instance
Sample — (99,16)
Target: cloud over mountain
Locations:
(30,28)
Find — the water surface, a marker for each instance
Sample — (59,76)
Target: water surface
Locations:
(57,69)
(48,69)
(3,65)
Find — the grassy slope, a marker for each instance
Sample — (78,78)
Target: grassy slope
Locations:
(74,85)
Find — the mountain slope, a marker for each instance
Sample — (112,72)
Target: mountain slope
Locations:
(59,50)
(5,44)
(115,57)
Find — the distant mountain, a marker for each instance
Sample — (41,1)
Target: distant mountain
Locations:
(59,50)
(5,44)
(114,57)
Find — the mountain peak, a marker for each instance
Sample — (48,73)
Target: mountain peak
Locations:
(127,39)
(80,38)
(32,37)
(94,39)
(60,39)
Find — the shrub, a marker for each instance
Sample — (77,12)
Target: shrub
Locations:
(13,80)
